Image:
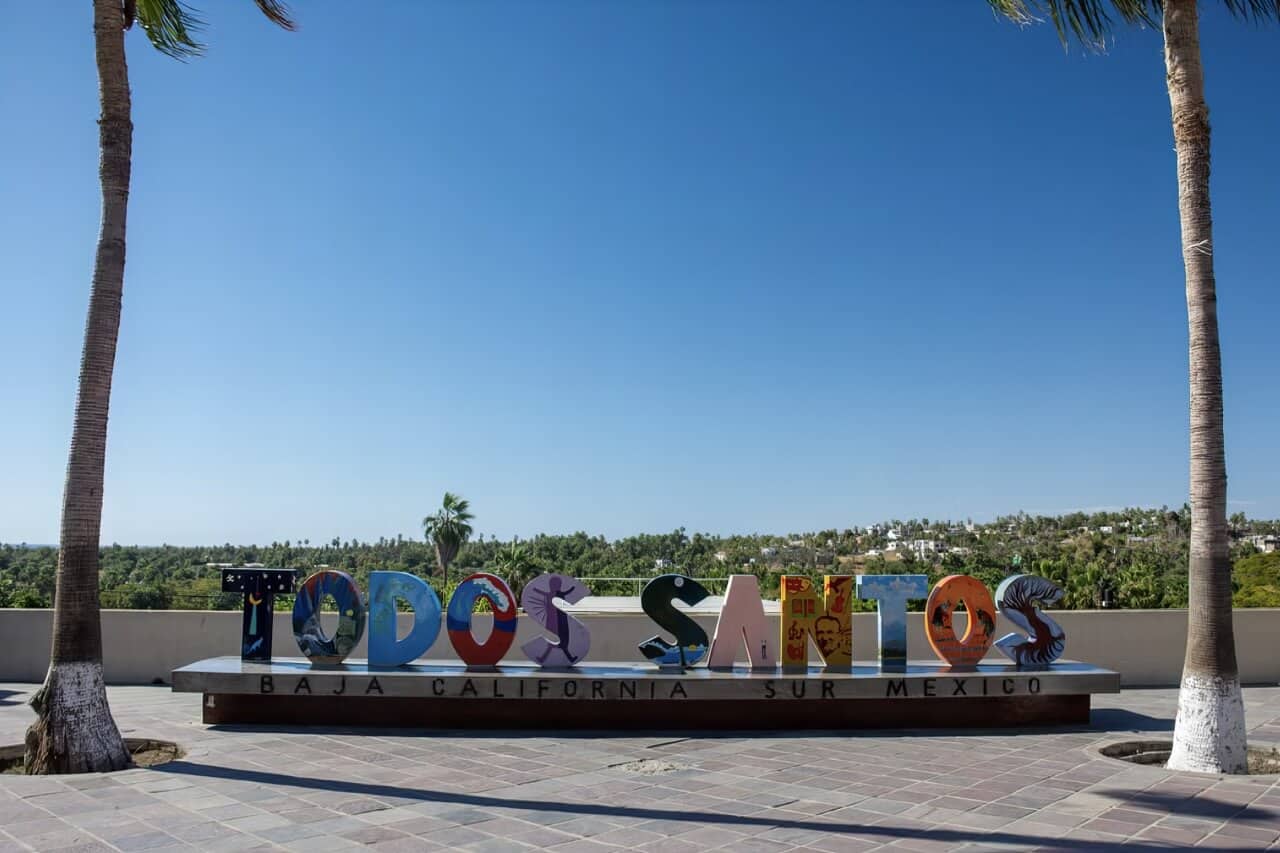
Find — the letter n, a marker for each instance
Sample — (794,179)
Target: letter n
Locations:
(828,621)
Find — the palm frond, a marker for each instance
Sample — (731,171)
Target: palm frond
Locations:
(1088,21)
(170,25)
(1091,21)
(277,13)
(1256,10)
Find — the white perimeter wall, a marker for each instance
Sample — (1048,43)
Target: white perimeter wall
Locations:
(144,646)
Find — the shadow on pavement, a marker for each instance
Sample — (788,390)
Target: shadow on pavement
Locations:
(6,697)
(1190,805)
(1121,720)
(872,832)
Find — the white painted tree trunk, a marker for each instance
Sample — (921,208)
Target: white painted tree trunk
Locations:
(75,732)
(1210,734)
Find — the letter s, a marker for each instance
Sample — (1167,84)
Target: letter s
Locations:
(572,637)
(1017,598)
(691,640)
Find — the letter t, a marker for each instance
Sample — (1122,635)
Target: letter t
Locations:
(891,593)
(260,588)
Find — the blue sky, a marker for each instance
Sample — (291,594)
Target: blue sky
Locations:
(627,266)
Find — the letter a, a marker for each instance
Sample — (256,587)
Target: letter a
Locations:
(742,618)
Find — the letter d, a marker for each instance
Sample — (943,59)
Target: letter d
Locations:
(384,589)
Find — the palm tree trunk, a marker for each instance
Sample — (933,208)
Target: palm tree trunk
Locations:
(1209,735)
(445,552)
(74,731)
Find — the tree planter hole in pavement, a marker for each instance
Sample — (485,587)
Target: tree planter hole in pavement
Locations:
(145,752)
(1263,760)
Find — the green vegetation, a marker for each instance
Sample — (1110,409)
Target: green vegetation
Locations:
(1255,581)
(1134,558)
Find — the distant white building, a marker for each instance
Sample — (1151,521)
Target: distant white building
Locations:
(662,563)
(924,548)
(1267,543)
(874,552)
(768,552)
(1106,530)
(893,535)
(721,556)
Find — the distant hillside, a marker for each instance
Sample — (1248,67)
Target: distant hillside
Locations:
(1129,558)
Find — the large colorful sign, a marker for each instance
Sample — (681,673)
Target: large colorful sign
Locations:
(806,616)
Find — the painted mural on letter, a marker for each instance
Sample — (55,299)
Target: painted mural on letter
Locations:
(946,596)
(691,641)
(891,594)
(1016,598)
(307,630)
(573,640)
(384,589)
(828,621)
(260,588)
(458,619)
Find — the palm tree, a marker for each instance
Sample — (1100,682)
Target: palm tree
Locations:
(448,530)
(74,731)
(514,564)
(1209,735)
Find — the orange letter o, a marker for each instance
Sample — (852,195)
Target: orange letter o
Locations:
(977,639)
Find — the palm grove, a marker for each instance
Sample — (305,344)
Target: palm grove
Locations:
(74,730)
(1134,558)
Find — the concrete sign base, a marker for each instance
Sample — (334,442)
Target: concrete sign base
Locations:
(642,696)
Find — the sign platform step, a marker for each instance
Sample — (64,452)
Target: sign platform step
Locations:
(629,696)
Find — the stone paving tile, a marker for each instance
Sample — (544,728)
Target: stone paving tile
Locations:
(840,844)
(497,845)
(586,845)
(86,847)
(542,837)
(277,788)
(145,841)
(761,845)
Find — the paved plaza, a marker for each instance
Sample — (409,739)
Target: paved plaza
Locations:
(243,788)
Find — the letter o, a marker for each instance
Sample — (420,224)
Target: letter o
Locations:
(458,619)
(307,631)
(968,650)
